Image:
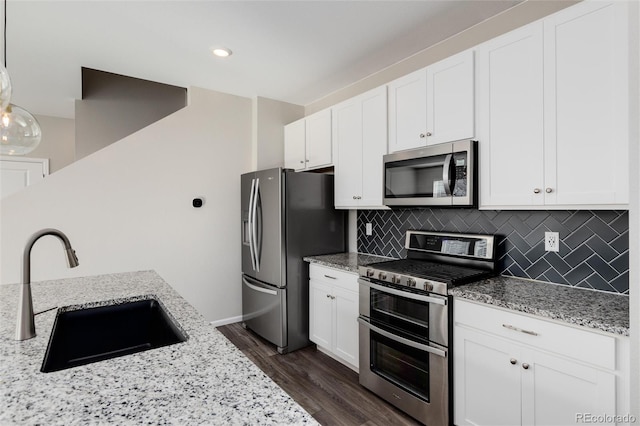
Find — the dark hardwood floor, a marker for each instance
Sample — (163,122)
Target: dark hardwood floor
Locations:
(328,390)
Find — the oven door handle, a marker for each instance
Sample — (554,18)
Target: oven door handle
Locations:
(402,340)
(401,293)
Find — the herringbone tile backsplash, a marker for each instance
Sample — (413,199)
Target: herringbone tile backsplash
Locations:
(594,245)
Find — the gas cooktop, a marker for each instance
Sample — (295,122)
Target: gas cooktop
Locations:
(437,261)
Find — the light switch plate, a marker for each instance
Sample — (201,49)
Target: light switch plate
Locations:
(368,229)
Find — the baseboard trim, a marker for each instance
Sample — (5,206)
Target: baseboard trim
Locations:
(226,321)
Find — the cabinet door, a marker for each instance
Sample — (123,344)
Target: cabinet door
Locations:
(347,132)
(346,325)
(486,380)
(556,390)
(294,145)
(320,314)
(510,118)
(408,111)
(450,99)
(374,145)
(586,104)
(318,139)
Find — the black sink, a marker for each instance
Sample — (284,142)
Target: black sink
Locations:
(94,334)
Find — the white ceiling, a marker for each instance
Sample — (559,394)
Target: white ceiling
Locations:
(295,51)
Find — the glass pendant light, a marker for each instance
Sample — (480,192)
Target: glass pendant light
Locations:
(5,88)
(19,130)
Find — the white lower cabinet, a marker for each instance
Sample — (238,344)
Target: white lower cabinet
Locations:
(512,369)
(333,313)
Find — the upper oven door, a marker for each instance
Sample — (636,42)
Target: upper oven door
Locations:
(438,175)
(423,315)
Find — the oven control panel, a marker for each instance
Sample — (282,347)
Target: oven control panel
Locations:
(403,280)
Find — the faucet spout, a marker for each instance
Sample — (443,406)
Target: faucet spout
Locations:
(25,326)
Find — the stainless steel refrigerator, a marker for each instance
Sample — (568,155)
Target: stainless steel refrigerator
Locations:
(285,216)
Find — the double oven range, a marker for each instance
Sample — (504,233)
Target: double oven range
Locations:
(406,320)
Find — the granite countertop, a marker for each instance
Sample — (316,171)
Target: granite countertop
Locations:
(346,261)
(593,309)
(205,380)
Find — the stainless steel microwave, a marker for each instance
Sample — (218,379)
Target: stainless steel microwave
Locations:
(438,175)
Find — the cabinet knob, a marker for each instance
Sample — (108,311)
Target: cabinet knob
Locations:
(428,133)
(513,361)
(548,190)
(525,366)
(301,162)
(536,190)
(422,135)
(306,161)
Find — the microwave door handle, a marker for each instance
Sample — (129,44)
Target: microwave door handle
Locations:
(446,174)
(251,219)
(405,294)
(402,340)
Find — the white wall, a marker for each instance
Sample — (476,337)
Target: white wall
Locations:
(269,118)
(128,206)
(634,207)
(58,142)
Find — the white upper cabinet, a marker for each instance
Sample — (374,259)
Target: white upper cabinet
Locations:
(450,99)
(294,145)
(307,142)
(433,105)
(360,136)
(586,109)
(510,118)
(553,111)
(408,111)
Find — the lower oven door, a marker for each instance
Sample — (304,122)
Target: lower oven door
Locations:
(411,375)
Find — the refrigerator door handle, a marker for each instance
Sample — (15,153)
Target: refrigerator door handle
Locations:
(251,219)
(260,289)
(254,227)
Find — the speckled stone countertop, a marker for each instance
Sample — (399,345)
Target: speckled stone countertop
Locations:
(205,380)
(594,309)
(346,261)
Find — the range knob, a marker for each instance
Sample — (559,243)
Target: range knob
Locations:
(428,286)
(411,282)
(382,276)
(370,272)
(395,279)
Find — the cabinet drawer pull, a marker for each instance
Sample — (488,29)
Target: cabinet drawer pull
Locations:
(536,190)
(513,361)
(511,327)
(525,366)
(548,190)
(330,277)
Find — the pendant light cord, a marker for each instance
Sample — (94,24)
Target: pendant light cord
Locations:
(5,34)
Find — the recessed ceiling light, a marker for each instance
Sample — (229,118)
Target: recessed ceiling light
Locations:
(221,52)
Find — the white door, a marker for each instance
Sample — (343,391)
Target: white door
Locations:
(346,325)
(450,99)
(586,104)
(374,145)
(321,314)
(18,173)
(347,133)
(487,380)
(510,118)
(318,139)
(408,111)
(294,145)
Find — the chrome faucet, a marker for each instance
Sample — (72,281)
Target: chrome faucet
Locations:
(25,326)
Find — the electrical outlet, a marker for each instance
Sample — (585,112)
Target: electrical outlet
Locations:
(551,241)
(368,229)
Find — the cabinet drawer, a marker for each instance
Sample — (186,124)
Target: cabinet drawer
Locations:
(343,279)
(593,348)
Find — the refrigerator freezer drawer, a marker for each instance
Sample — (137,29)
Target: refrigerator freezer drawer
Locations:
(263,310)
